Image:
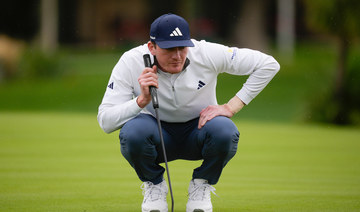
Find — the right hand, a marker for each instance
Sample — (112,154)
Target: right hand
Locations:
(147,78)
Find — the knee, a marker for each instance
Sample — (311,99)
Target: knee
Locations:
(222,128)
(137,146)
(226,142)
(136,141)
(131,139)
(223,136)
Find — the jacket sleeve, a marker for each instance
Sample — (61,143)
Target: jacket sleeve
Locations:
(118,104)
(260,67)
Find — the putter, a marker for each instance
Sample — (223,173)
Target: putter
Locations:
(155,102)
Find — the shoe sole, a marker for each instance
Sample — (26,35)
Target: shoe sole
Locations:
(201,210)
(156,210)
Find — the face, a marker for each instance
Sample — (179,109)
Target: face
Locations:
(170,60)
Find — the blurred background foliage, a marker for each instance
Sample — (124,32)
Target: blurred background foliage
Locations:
(35,64)
(340,19)
(58,55)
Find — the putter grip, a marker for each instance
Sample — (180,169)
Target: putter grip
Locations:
(153,90)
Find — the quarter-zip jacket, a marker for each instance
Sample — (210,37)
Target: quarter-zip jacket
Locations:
(182,96)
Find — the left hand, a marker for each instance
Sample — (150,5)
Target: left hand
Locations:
(212,111)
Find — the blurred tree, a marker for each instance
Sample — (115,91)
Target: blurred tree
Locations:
(340,18)
(286,27)
(49,25)
(250,30)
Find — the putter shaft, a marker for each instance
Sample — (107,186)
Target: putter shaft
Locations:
(155,102)
(165,158)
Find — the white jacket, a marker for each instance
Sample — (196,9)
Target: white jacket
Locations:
(182,96)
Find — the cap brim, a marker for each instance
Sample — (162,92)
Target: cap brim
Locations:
(174,43)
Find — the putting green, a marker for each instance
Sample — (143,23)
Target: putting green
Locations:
(64,162)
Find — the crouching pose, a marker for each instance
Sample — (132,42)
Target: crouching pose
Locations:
(194,126)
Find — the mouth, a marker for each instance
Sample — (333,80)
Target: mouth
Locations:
(175,67)
(177,63)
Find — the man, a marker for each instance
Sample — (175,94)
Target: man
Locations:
(194,126)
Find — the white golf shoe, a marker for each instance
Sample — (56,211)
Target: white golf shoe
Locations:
(154,197)
(199,196)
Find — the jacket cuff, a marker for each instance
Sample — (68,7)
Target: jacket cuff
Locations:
(246,98)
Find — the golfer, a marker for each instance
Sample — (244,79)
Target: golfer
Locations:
(194,126)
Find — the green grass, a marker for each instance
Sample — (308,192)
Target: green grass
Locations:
(79,88)
(59,161)
(54,156)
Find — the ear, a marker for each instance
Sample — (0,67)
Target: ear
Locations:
(152,48)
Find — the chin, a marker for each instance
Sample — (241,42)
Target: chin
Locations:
(174,70)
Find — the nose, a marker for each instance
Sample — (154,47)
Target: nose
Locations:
(176,52)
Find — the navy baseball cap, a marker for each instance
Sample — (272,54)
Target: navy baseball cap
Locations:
(169,31)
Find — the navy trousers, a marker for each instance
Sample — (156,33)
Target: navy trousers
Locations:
(215,144)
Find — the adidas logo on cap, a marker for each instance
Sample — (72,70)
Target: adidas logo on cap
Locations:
(169,31)
(176,32)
